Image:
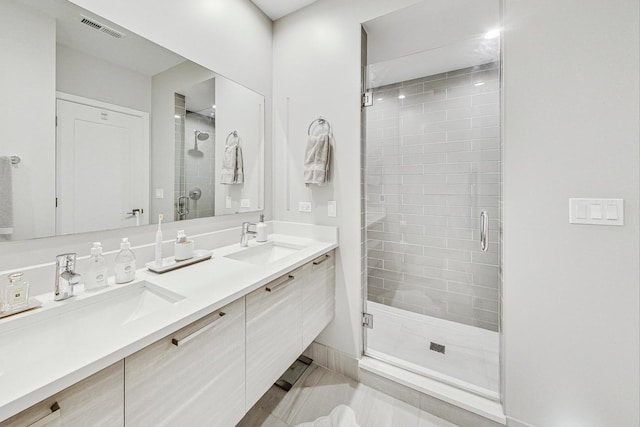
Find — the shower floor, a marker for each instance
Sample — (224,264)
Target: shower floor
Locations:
(402,338)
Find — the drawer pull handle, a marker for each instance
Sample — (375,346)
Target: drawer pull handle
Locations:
(279,285)
(319,261)
(182,341)
(54,415)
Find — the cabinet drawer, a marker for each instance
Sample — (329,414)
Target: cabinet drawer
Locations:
(192,377)
(318,296)
(94,401)
(274,332)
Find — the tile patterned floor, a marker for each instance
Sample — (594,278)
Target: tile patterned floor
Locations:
(319,390)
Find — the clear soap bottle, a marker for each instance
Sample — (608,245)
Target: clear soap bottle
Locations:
(96,277)
(16,293)
(125,263)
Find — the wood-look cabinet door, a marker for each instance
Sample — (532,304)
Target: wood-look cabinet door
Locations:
(318,296)
(274,332)
(95,401)
(192,377)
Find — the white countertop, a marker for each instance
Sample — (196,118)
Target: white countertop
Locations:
(58,353)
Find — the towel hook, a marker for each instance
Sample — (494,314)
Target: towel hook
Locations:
(321,121)
(15,160)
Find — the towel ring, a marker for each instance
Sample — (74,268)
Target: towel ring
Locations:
(233,133)
(321,121)
(15,160)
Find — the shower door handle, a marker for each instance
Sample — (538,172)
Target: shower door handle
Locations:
(484,231)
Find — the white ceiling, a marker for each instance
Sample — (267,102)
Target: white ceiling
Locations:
(276,9)
(431,37)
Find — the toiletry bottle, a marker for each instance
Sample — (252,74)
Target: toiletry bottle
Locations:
(16,293)
(183,248)
(125,267)
(159,242)
(261,230)
(96,276)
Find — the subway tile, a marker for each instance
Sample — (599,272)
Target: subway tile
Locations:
(375,263)
(448,126)
(447,104)
(486,144)
(429,95)
(473,156)
(475,291)
(484,99)
(447,147)
(426,79)
(448,82)
(447,211)
(404,228)
(389,237)
(385,274)
(485,121)
(485,304)
(403,170)
(448,168)
(426,282)
(403,267)
(440,221)
(410,110)
(426,240)
(412,89)
(404,209)
(426,261)
(486,166)
(402,248)
(426,138)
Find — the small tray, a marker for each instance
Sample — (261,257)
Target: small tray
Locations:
(33,303)
(170,263)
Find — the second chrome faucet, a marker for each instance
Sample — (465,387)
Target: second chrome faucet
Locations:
(66,277)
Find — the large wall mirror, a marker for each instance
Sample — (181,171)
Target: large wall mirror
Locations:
(103,129)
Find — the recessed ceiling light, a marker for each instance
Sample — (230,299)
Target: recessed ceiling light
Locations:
(401,97)
(478,83)
(213,106)
(492,34)
(379,99)
(177,116)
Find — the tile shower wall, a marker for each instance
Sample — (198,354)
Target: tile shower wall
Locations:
(199,164)
(179,119)
(432,164)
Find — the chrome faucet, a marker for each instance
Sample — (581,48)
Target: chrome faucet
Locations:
(66,278)
(244,237)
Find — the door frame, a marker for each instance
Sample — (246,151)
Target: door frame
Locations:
(144,116)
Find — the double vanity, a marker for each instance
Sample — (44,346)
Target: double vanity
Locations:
(194,346)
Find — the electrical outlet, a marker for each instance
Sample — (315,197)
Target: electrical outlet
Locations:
(304,206)
(331,208)
(245,203)
(228,202)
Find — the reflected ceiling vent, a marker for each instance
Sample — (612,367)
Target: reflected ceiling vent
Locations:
(100,27)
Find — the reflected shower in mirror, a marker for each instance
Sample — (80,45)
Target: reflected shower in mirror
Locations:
(120,129)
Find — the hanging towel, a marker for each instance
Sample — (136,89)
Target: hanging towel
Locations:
(317,159)
(232,164)
(6,199)
(341,416)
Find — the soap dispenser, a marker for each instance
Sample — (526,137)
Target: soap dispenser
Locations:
(96,276)
(125,267)
(183,248)
(261,230)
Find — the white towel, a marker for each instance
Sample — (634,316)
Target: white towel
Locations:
(317,159)
(232,164)
(6,198)
(341,416)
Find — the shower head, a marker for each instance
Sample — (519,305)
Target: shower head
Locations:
(201,136)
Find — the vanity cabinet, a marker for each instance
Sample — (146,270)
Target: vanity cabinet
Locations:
(95,401)
(274,332)
(192,377)
(318,297)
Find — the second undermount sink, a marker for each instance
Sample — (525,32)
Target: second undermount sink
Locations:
(265,253)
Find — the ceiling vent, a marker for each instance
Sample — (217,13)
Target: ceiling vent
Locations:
(100,27)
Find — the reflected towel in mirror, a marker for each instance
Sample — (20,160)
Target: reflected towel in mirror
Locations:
(232,164)
(6,198)
(317,159)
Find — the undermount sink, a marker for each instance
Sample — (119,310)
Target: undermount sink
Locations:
(87,316)
(265,253)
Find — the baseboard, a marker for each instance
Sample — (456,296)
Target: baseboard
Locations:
(333,359)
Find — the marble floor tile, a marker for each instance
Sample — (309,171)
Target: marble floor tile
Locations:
(319,390)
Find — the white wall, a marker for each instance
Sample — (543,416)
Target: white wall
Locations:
(240,109)
(316,57)
(163,134)
(91,77)
(27,111)
(571,300)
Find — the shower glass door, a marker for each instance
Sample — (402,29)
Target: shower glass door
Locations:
(432,190)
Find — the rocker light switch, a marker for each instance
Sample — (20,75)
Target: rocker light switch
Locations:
(596,211)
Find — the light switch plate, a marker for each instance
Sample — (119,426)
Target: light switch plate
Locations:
(245,203)
(304,206)
(331,208)
(159,193)
(228,202)
(596,211)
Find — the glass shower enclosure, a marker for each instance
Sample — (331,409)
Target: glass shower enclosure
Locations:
(432,185)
